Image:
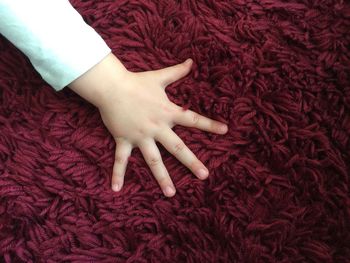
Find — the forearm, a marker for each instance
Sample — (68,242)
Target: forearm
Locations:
(95,84)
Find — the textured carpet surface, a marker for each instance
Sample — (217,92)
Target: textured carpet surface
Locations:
(276,71)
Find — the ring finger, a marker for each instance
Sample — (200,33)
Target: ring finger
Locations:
(154,160)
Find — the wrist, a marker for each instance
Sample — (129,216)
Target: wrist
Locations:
(95,84)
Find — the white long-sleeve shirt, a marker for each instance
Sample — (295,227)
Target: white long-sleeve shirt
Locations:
(54,36)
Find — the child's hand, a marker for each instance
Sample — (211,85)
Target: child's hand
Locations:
(137,112)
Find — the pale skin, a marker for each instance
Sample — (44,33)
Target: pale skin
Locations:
(137,112)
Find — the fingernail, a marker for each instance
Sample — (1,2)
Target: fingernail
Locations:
(169,191)
(115,187)
(188,61)
(202,173)
(223,128)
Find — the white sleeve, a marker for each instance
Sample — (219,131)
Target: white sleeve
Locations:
(54,36)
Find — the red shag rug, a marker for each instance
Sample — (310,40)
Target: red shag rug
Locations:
(276,71)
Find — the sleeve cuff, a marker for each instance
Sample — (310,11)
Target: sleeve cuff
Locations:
(55,38)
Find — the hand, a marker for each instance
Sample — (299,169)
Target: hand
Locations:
(137,112)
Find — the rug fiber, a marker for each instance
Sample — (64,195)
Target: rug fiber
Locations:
(277,72)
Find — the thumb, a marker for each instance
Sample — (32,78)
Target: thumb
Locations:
(173,73)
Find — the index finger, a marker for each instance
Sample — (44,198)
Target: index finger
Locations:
(190,118)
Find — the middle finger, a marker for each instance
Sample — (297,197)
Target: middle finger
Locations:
(154,160)
(173,143)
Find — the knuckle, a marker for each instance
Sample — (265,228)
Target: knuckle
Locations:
(176,109)
(195,118)
(167,108)
(154,161)
(184,65)
(195,164)
(154,121)
(163,179)
(120,159)
(179,147)
(141,131)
